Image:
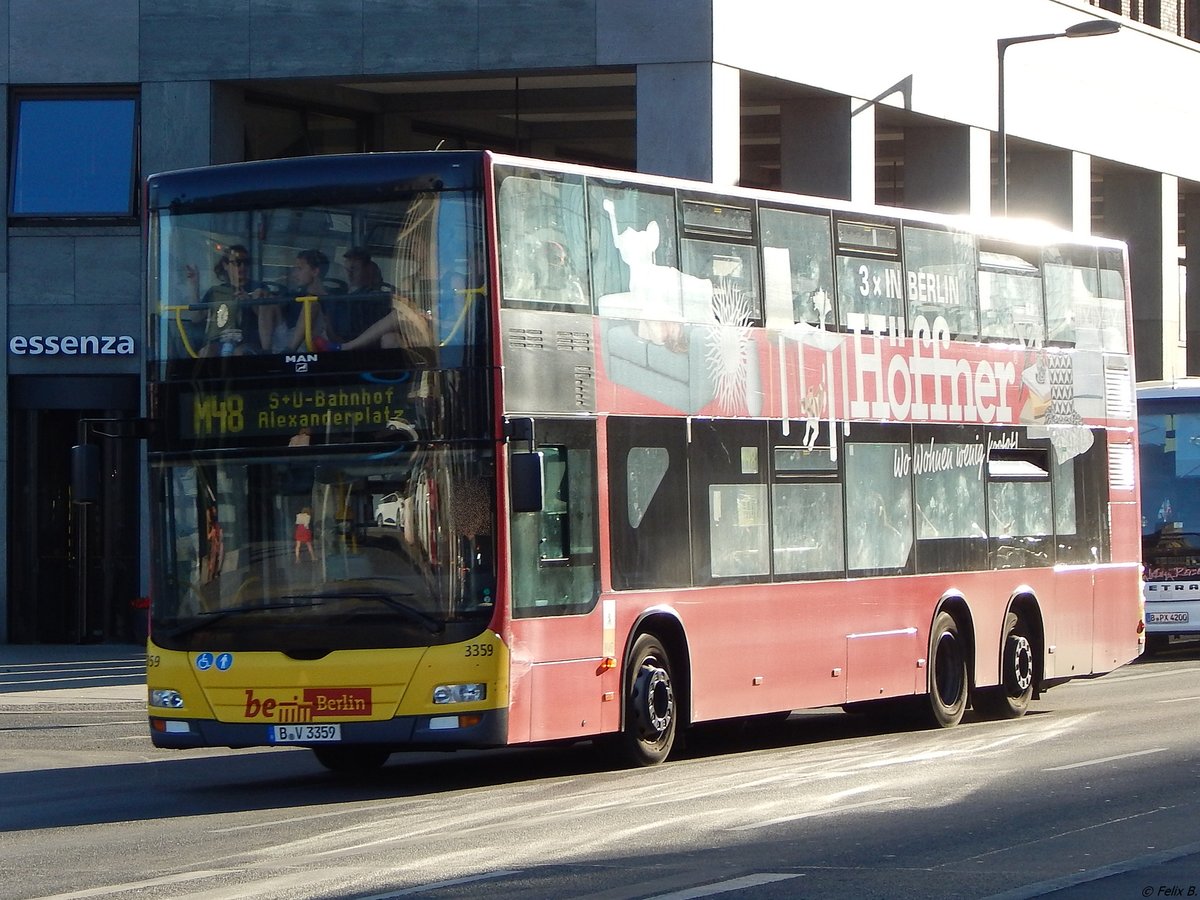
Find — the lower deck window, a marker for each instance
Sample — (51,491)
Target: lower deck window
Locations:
(738,530)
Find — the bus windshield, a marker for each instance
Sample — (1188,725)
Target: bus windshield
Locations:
(321,552)
(1169,436)
(320,379)
(392,282)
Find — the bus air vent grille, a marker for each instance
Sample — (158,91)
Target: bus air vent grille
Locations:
(1118,388)
(1120,467)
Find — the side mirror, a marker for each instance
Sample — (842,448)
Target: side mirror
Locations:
(527,482)
(85,473)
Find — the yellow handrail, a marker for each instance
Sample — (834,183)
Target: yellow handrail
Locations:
(187,344)
(308,301)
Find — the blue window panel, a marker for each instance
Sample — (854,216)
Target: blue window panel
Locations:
(74,157)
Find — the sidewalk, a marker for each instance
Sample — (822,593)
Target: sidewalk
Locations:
(34,674)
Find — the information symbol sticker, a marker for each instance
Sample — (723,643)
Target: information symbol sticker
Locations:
(224,661)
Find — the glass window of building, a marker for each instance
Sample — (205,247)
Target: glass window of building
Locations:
(74,157)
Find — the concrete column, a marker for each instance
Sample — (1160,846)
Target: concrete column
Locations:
(175,125)
(190,123)
(827,148)
(1081,193)
(688,121)
(1190,204)
(1143,207)
(1051,184)
(227,124)
(947,169)
(6,480)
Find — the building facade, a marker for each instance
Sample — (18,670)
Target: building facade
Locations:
(868,100)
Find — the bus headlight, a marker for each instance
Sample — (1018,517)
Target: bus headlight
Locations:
(166,699)
(460,693)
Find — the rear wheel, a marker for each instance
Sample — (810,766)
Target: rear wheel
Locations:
(352,760)
(651,714)
(1010,699)
(947,697)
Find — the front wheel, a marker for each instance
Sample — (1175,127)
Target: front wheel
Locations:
(651,713)
(947,698)
(1011,698)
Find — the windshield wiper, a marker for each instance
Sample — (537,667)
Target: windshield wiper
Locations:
(392,600)
(211,618)
(299,601)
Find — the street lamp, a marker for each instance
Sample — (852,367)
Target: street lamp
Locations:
(1090,28)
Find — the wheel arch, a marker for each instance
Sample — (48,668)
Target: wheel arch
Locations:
(1024,604)
(666,626)
(954,603)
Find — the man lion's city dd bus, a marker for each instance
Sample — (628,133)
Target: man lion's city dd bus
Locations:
(1169,447)
(594,455)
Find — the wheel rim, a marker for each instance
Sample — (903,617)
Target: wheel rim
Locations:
(655,708)
(1019,674)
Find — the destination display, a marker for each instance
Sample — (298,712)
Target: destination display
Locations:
(286,412)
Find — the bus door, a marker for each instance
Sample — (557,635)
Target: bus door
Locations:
(559,679)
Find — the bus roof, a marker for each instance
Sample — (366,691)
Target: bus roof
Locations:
(1165,390)
(312,179)
(316,178)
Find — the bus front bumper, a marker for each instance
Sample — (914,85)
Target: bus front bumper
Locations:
(445,732)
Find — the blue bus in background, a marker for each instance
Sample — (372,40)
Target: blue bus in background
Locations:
(1169,445)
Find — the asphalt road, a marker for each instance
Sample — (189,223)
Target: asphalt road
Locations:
(1095,793)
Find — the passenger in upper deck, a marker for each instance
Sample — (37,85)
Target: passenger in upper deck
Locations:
(228,310)
(363,272)
(286,323)
(407,324)
(554,278)
(366,301)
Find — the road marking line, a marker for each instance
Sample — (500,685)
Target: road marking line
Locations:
(1179,700)
(724,887)
(1122,677)
(75,664)
(135,885)
(1053,885)
(438,885)
(135,677)
(1097,762)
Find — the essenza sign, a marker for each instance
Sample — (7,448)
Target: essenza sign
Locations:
(72,345)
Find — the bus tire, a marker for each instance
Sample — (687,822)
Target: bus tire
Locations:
(651,714)
(948,685)
(352,760)
(1010,699)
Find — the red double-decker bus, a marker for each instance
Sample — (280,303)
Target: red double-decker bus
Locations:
(456,449)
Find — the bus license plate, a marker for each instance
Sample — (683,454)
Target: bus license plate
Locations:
(1173,617)
(305,734)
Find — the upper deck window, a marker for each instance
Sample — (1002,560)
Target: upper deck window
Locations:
(74,157)
(867,236)
(1111,303)
(1010,293)
(940,280)
(870,282)
(398,282)
(543,242)
(797,267)
(717,218)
